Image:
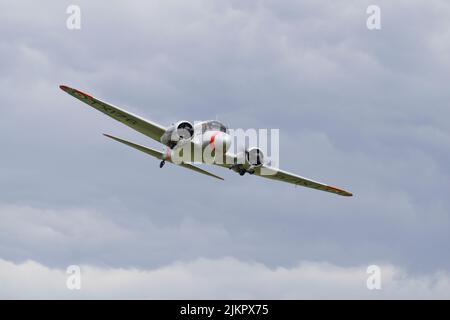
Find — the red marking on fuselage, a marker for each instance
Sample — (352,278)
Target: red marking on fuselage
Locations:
(213,138)
(168,154)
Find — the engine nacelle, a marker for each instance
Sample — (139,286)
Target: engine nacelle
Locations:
(182,130)
(254,157)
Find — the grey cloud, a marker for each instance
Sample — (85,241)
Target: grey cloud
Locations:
(225,278)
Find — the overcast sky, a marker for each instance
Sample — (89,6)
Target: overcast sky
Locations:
(364,110)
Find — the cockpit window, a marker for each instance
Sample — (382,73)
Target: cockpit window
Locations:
(213,126)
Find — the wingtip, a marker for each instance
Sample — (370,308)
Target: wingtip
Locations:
(216,176)
(345,193)
(340,191)
(71,91)
(111,137)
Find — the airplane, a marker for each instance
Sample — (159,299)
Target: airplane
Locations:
(206,134)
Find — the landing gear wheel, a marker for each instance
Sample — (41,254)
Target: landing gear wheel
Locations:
(162,163)
(242,172)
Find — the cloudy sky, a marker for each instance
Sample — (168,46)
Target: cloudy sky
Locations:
(365,110)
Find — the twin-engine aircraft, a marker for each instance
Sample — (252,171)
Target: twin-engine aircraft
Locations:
(208,134)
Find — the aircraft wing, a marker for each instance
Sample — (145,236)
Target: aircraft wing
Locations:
(280,175)
(149,128)
(160,155)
